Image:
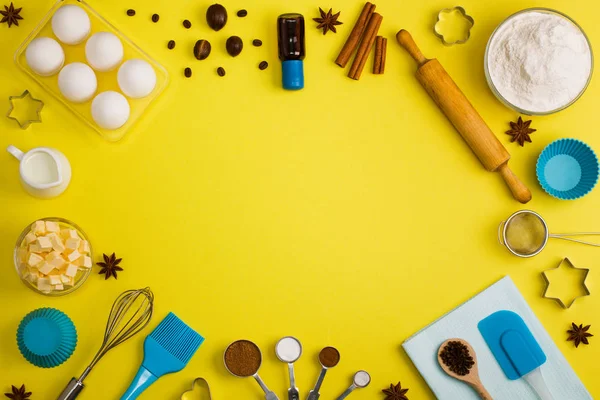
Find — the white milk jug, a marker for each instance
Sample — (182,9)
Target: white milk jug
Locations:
(45,172)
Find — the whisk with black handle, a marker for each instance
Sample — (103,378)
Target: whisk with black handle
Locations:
(130,313)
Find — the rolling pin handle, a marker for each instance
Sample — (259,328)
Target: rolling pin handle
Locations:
(405,39)
(519,191)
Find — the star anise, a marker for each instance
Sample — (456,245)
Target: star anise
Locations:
(328,21)
(395,392)
(11,15)
(520,131)
(579,334)
(18,394)
(109,266)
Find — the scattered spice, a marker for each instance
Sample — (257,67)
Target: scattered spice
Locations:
(242,13)
(221,71)
(257,42)
(110,266)
(263,65)
(202,49)
(187,72)
(456,356)
(328,21)
(18,394)
(520,131)
(395,392)
(216,17)
(329,357)
(187,24)
(10,15)
(243,358)
(155,17)
(131,12)
(579,334)
(171,45)
(234,46)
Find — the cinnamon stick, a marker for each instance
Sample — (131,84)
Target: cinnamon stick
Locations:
(365,46)
(380,50)
(354,38)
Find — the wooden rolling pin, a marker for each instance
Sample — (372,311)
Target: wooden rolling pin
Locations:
(467,121)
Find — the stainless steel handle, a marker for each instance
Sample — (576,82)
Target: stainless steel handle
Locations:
(72,390)
(314,394)
(566,236)
(347,392)
(293,393)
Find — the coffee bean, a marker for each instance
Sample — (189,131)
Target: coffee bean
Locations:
(242,13)
(257,42)
(131,12)
(263,65)
(187,24)
(221,71)
(155,17)
(187,72)
(171,45)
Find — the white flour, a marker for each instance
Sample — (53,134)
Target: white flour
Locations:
(539,62)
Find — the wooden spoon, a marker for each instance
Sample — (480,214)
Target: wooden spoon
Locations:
(472,377)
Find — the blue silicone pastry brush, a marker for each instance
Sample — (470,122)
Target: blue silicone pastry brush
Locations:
(167,349)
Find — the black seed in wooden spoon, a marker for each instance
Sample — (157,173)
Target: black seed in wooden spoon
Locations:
(257,42)
(221,71)
(131,12)
(187,72)
(171,45)
(263,65)
(187,24)
(155,17)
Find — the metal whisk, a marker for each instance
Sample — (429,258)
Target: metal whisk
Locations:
(130,313)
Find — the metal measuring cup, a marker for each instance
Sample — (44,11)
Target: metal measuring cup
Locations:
(525,234)
(361,380)
(329,357)
(289,350)
(232,350)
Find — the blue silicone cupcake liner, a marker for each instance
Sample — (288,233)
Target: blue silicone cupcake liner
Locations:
(567,169)
(46,337)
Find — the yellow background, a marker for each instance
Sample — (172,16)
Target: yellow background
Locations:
(348,214)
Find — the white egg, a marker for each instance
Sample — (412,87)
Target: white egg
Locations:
(71,24)
(45,56)
(110,110)
(136,78)
(77,82)
(104,51)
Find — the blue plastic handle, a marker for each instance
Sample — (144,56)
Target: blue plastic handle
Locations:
(142,380)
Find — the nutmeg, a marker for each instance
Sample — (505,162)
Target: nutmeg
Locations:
(234,46)
(216,16)
(202,49)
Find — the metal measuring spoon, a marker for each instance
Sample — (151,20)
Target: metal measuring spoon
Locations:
(289,350)
(243,359)
(329,357)
(361,380)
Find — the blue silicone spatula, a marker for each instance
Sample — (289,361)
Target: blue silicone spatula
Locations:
(167,349)
(516,350)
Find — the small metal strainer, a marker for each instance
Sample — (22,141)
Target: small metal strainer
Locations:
(525,234)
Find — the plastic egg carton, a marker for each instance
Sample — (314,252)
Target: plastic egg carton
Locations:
(107,81)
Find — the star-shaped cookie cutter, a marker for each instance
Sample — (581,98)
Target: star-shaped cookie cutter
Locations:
(570,264)
(197,382)
(463,14)
(27,97)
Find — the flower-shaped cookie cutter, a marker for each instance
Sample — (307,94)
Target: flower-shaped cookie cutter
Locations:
(442,33)
(197,382)
(31,102)
(569,264)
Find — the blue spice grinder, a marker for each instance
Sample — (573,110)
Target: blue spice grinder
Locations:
(292,50)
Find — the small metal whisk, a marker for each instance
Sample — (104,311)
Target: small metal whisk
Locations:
(130,313)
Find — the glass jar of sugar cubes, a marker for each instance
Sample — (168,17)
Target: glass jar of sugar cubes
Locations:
(53,256)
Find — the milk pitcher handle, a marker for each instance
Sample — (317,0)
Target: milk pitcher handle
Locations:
(18,154)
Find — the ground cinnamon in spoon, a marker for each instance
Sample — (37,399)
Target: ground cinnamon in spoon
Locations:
(329,357)
(243,358)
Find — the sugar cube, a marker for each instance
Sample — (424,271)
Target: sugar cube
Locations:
(71,271)
(52,226)
(46,268)
(72,244)
(59,287)
(84,247)
(73,256)
(69,234)
(30,237)
(44,243)
(43,284)
(34,259)
(54,279)
(38,228)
